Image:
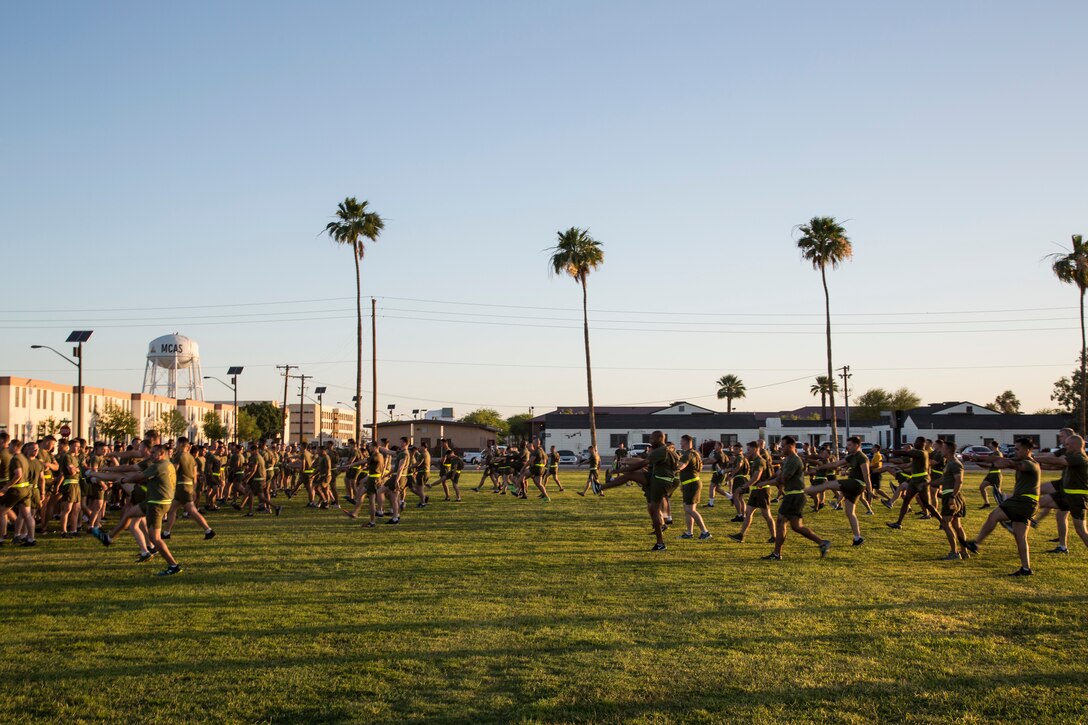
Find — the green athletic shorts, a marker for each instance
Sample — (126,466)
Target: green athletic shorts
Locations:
(256,486)
(183,494)
(15,496)
(760,498)
(154,513)
(851,488)
(69,492)
(953,505)
(1019,509)
(691,491)
(659,489)
(793,505)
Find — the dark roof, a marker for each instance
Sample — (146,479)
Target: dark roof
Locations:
(827,423)
(934,407)
(965,421)
(600,410)
(447,423)
(633,422)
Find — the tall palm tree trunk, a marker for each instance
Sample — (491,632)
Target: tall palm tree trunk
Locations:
(589,368)
(823,405)
(830,369)
(1083,362)
(729,405)
(358,347)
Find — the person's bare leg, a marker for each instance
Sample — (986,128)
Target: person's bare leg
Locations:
(852,517)
(1020,531)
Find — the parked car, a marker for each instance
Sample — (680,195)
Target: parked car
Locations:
(976,451)
(473,458)
(867,448)
(638,449)
(567,458)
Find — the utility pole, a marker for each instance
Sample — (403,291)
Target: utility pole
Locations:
(845,375)
(301,392)
(374,368)
(283,416)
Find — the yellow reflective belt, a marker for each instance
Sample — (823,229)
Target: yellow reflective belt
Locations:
(946,491)
(19,485)
(663,478)
(788,493)
(916,475)
(308,470)
(216,474)
(690,480)
(1032,496)
(161,503)
(69,481)
(1081,491)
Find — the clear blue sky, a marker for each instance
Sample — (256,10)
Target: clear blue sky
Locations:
(187,156)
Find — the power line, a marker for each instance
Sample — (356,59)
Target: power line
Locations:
(537,307)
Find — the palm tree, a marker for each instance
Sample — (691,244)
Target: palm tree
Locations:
(578,254)
(822,388)
(1072,268)
(353,224)
(730,388)
(824,242)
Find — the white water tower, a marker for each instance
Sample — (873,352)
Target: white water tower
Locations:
(169,357)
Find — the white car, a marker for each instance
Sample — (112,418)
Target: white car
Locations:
(473,458)
(567,458)
(976,451)
(638,449)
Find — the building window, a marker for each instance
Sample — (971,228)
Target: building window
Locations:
(615,440)
(680,409)
(948,437)
(645,437)
(970,409)
(729,438)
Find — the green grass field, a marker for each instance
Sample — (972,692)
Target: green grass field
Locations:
(502,610)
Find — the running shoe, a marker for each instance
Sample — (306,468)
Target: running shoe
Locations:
(825,546)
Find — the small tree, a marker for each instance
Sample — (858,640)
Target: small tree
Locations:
(48,427)
(173,424)
(518,426)
(213,428)
(905,399)
(1007,402)
(489,417)
(248,430)
(267,417)
(730,388)
(117,423)
(822,387)
(869,404)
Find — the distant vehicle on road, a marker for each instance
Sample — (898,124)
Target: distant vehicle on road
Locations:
(567,458)
(473,458)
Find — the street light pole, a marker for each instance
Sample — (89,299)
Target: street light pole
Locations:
(234,372)
(320,391)
(79,337)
